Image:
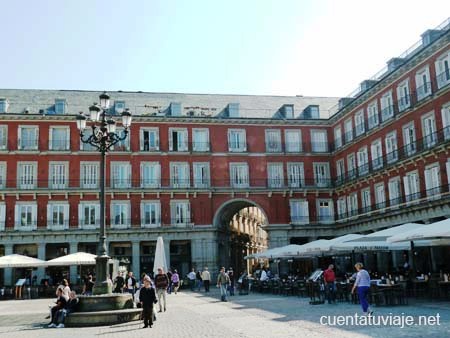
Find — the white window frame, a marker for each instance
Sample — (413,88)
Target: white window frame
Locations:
(4,105)
(395,191)
(348,130)
(352,204)
(237,140)
(60,106)
(387,106)
(58,179)
(403,95)
(380,199)
(200,146)
(376,159)
(442,66)
(433,182)
(341,207)
(201,175)
(3,174)
(363,160)
(177,168)
(273,140)
(64,205)
(319,140)
(373,119)
(124,215)
(236,169)
(123,145)
(182,139)
(275,176)
(296,174)
(359,123)
(29,182)
(62,145)
(411,186)
(148,182)
(94,171)
(3,137)
(429,130)
(293,144)
(340,170)
(366,200)
(2,216)
(409,139)
(423,90)
(299,211)
(324,167)
(351,165)
(120,182)
(391,147)
(178,216)
(156,205)
(93,206)
(23,225)
(150,147)
(33,144)
(337,137)
(320,205)
(445,113)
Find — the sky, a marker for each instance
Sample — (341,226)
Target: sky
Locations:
(264,47)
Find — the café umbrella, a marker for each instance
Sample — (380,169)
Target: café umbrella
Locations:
(77,258)
(20,261)
(438,232)
(160,256)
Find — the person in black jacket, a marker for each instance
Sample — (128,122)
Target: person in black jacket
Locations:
(147,297)
(60,305)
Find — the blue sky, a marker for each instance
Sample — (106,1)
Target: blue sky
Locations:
(318,48)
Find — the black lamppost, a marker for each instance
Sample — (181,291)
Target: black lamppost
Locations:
(102,137)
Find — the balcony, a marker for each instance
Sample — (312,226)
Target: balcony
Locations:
(404,103)
(423,91)
(120,223)
(387,113)
(200,147)
(319,147)
(90,224)
(443,79)
(348,136)
(359,129)
(59,144)
(293,147)
(28,144)
(372,121)
(58,226)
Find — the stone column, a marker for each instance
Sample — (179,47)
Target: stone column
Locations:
(8,271)
(196,253)
(40,272)
(167,252)
(135,257)
(211,260)
(73,248)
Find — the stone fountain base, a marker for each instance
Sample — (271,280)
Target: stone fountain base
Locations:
(103,310)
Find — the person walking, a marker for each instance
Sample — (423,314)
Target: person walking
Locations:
(222,282)
(231,285)
(206,278)
(198,280)
(147,297)
(191,276)
(330,283)
(362,285)
(175,281)
(130,283)
(161,284)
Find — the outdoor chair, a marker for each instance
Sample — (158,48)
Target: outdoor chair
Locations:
(302,290)
(265,287)
(276,287)
(287,288)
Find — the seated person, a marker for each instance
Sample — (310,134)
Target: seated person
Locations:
(71,306)
(60,305)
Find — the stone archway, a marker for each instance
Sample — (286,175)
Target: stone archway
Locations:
(240,227)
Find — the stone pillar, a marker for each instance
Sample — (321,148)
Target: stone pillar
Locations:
(196,253)
(135,257)
(40,272)
(8,271)
(167,252)
(73,248)
(212,259)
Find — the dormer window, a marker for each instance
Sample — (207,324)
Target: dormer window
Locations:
(119,107)
(4,104)
(288,111)
(233,110)
(60,106)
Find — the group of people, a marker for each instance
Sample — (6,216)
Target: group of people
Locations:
(66,303)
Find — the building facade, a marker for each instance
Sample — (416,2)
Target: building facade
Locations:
(213,173)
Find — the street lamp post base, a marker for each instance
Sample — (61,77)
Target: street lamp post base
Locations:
(103,285)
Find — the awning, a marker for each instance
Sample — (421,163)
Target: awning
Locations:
(78,258)
(20,261)
(435,231)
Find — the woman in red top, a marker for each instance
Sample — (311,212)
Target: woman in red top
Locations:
(330,285)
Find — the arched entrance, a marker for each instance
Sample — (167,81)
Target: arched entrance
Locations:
(240,224)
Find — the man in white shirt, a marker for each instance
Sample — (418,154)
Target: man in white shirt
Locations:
(191,277)
(206,278)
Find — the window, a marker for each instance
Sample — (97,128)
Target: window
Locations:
(273,141)
(411,186)
(446,120)
(394,191)
(120,175)
(409,138)
(150,175)
(447,167)
(3,137)
(201,174)
(178,139)
(87,146)
(363,161)
(433,180)
(443,70)
(239,175)
(321,174)
(403,96)
(27,175)
(123,145)
(340,170)
(337,137)
(365,200)
(372,113)
(89,173)
(2,216)
(293,139)
(180,212)
(387,108)
(58,216)
(359,123)
(58,175)
(348,126)
(325,210)
(120,214)
(179,175)
(351,165)
(391,147)
(150,214)
(380,198)
(423,83)
(4,104)
(149,139)
(429,130)
(200,140)
(25,216)
(237,140)
(119,107)
(296,176)
(352,204)
(60,106)
(275,175)
(28,138)
(376,151)
(89,215)
(59,138)
(341,208)
(299,211)
(319,141)
(2,175)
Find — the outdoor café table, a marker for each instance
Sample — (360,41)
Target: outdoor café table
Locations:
(444,288)
(392,294)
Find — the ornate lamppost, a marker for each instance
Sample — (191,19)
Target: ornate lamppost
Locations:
(102,137)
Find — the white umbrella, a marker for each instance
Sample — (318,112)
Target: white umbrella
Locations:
(78,258)
(323,246)
(160,256)
(20,261)
(439,231)
(279,252)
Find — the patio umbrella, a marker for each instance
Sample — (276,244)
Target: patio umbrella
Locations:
(325,247)
(20,261)
(438,232)
(279,252)
(160,256)
(77,258)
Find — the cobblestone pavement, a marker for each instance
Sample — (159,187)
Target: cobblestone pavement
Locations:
(199,315)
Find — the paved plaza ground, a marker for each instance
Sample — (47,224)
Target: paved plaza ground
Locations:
(196,315)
